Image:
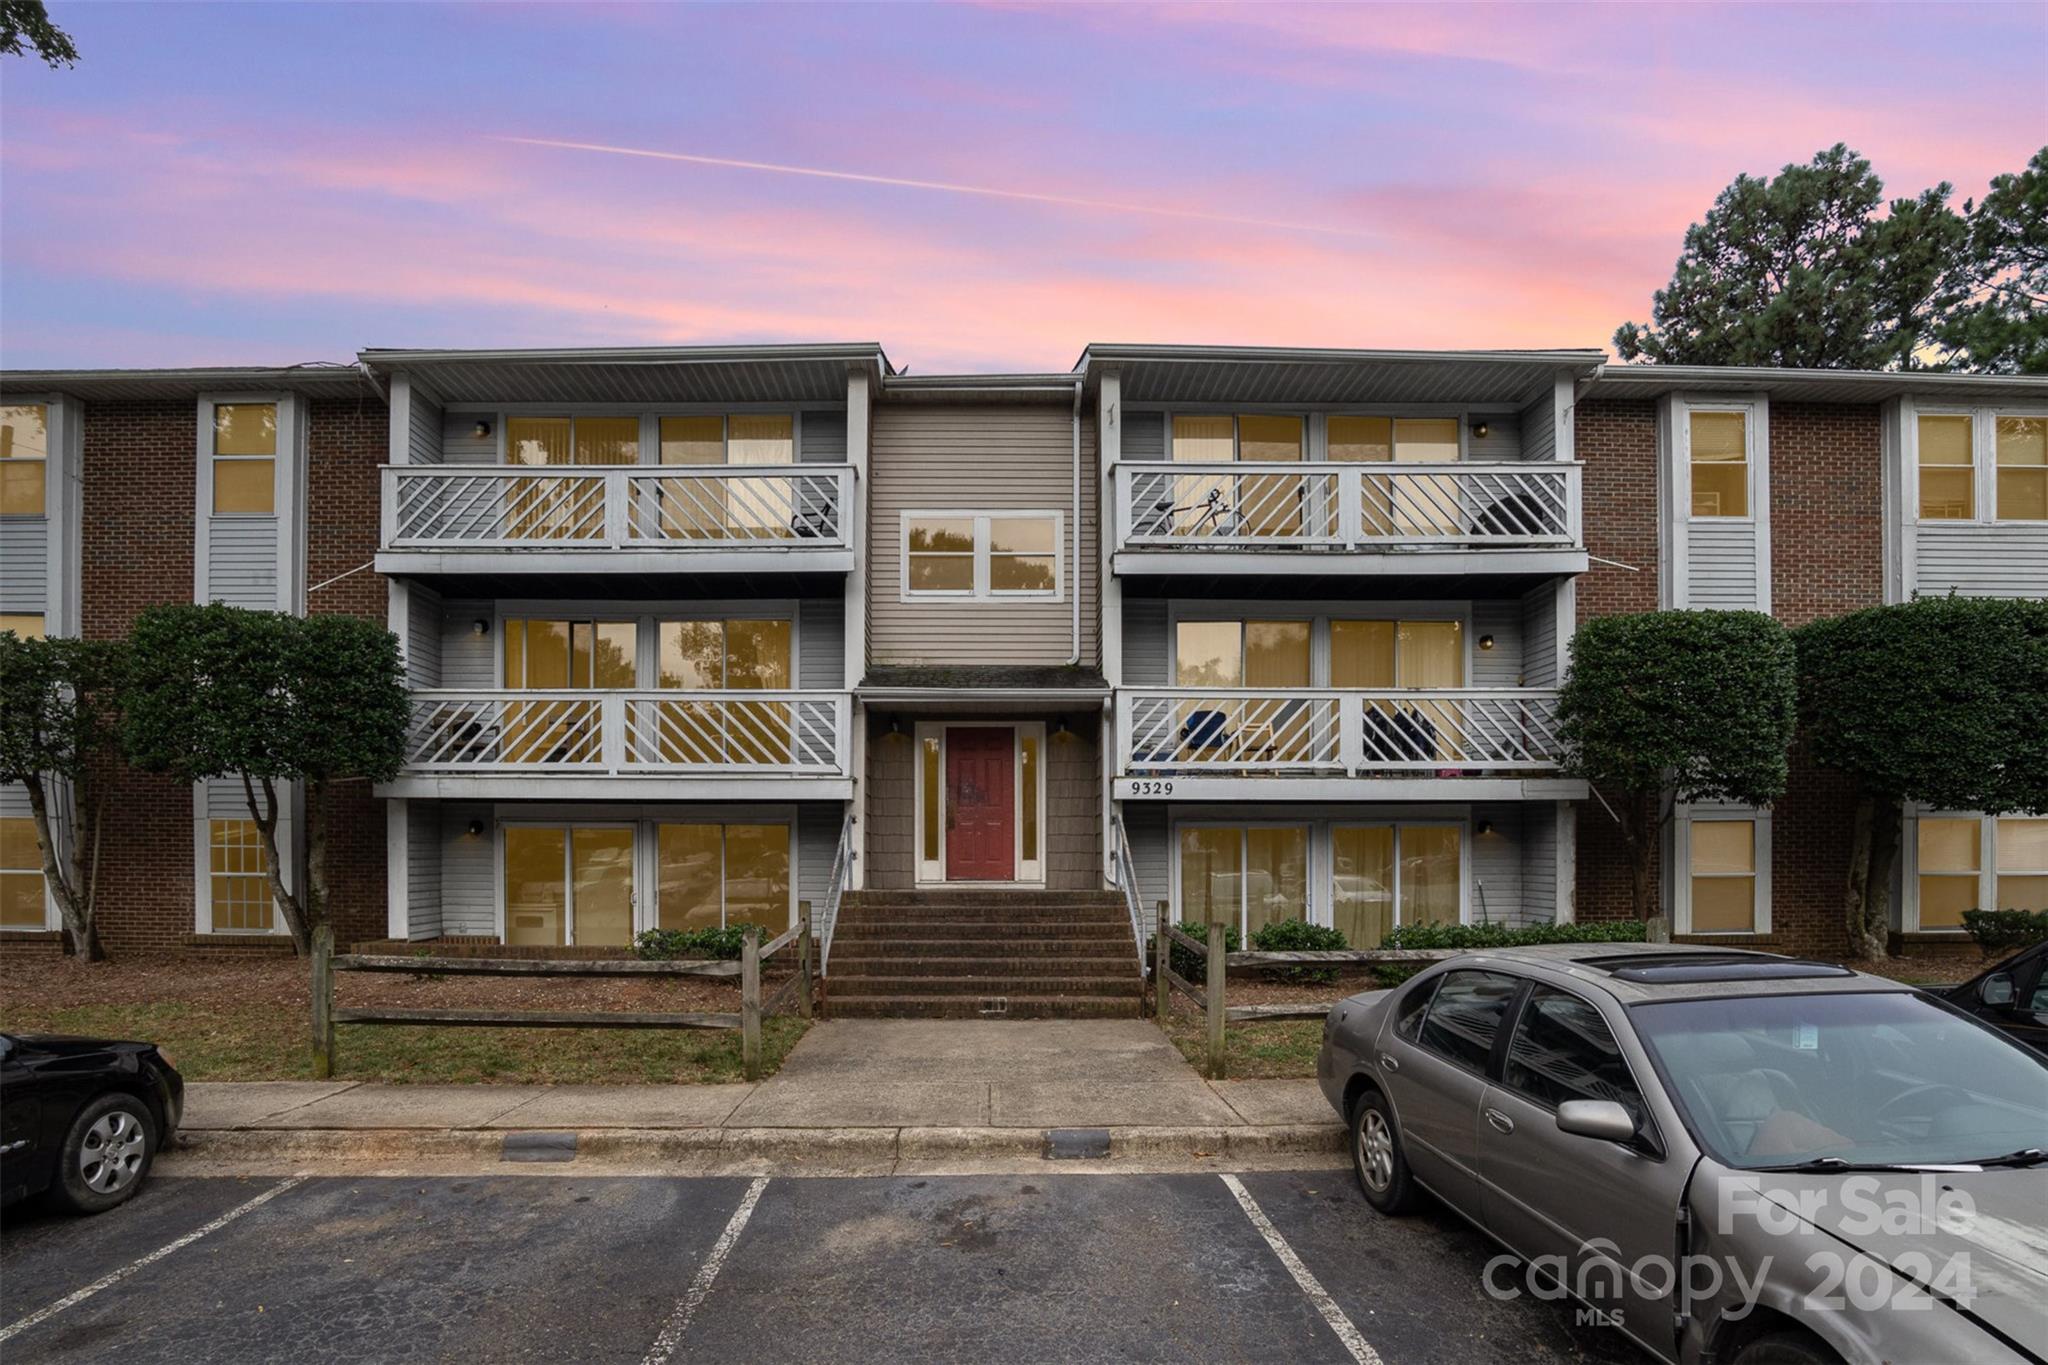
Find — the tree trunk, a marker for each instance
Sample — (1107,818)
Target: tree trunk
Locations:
(1886,816)
(74,893)
(265,813)
(1639,831)
(1855,895)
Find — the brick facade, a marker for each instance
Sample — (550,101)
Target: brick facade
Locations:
(138,477)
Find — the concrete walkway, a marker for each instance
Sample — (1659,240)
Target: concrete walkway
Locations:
(866,1091)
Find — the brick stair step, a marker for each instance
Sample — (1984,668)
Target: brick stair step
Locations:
(850,946)
(896,965)
(984,1007)
(1021,983)
(1009,914)
(991,931)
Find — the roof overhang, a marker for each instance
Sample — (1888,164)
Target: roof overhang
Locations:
(141,386)
(981,388)
(1816,386)
(638,374)
(1287,375)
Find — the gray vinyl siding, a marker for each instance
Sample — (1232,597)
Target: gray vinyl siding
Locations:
(1497,883)
(241,561)
(1539,863)
(423,860)
(25,565)
(1503,439)
(1148,651)
(1500,666)
(821,643)
(1151,853)
(469,879)
(979,458)
(1144,436)
(1721,564)
(225,799)
(425,428)
(469,661)
(423,636)
(1539,428)
(823,438)
(461,445)
(1541,666)
(2008,560)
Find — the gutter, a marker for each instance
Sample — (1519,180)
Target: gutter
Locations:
(1075,657)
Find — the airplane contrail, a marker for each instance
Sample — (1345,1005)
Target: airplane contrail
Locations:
(944,187)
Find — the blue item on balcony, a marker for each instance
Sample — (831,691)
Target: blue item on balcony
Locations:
(1204,730)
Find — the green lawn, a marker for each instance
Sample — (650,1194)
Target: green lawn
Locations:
(1282,1049)
(266,1043)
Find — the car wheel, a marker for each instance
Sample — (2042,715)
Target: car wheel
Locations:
(1787,1348)
(106,1154)
(1376,1156)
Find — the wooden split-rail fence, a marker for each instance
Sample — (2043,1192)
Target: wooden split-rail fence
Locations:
(800,989)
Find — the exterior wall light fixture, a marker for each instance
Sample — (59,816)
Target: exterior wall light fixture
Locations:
(480,626)
(482,430)
(1486,642)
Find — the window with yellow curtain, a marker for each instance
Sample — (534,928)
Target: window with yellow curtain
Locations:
(1431,505)
(756,508)
(1951,862)
(536,886)
(545,655)
(24,458)
(28,625)
(1720,464)
(714,875)
(2022,863)
(1367,440)
(1254,655)
(2023,469)
(245,459)
(601,884)
(1431,873)
(21,874)
(1246,876)
(1202,503)
(1362,894)
(730,654)
(549,509)
(934,796)
(1270,504)
(1948,467)
(239,877)
(1212,875)
(1028,778)
(1723,876)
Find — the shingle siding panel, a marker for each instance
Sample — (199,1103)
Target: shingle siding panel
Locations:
(25,564)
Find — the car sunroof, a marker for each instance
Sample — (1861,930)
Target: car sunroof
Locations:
(1681,968)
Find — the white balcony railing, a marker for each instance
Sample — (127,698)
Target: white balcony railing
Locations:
(631,507)
(1463,732)
(615,733)
(1333,507)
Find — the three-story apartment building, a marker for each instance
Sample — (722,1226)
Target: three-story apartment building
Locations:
(697,636)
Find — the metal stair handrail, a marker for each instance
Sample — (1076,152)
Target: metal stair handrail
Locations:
(1127,882)
(842,865)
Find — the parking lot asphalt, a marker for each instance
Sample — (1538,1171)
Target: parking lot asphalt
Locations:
(616,1268)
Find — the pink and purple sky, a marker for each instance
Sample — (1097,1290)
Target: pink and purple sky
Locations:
(229,184)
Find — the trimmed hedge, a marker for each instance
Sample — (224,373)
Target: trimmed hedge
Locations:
(690,945)
(1504,936)
(1997,930)
(1299,936)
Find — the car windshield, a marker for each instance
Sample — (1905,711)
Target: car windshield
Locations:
(1891,1077)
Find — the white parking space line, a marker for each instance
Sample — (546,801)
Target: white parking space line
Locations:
(77,1297)
(671,1334)
(1361,1350)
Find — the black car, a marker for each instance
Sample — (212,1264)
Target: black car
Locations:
(2011,996)
(83,1118)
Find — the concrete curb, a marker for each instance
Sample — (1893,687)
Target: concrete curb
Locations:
(744,1149)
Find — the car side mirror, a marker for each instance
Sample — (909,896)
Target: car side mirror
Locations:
(1602,1119)
(1997,990)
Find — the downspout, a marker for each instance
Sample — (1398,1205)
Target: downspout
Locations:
(1076,657)
(363,366)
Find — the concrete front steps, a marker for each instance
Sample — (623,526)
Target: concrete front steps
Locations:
(983,955)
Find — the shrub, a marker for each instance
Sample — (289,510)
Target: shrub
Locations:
(1421,936)
(1299,936)
(690,945)
(1997,931)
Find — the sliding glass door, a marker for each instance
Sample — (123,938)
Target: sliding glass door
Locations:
(568,885)
(1247,875)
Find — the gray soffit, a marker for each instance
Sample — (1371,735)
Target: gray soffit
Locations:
(653,375)
(980,388)
(118,386)
(1816,386)
(1267,375)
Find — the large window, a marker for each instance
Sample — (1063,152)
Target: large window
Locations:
(1948,467)
(1954,446)
(1365,654)
(1724,876)
(1975,862)
(26,624)
(1719,444)
(1563,1050)
(239,877)
(2022,863)
(726,655)
(579,655)
(716,875)
(752,438)
(1951,867)
(572,440)
(24,458)
(1247,876)
(981,554)
(245,459)
(2022,455)
(1407,506)
(1251,505)
(21,875)
(569,885)
(1393,874)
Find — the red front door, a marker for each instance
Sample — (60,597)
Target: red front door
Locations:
(981,804)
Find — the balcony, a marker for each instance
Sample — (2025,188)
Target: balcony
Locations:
(1361,518)
(582,744)
(1201,743)
(498,518)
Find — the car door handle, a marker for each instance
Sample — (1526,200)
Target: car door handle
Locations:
(1501,1122)
(1390,1062)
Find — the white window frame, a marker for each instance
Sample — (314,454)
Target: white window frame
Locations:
(1675,521)
(1319,616)
(1315,431)
(288,496)
(1322,859)
(1029,873)
(647,908)
(51,452)
(1983,459)
(202,861)
(1748,413)
(1681,866)
(981,591)
(647,618)
(498,415)
(568,825)
(51,919)
(1987,863)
